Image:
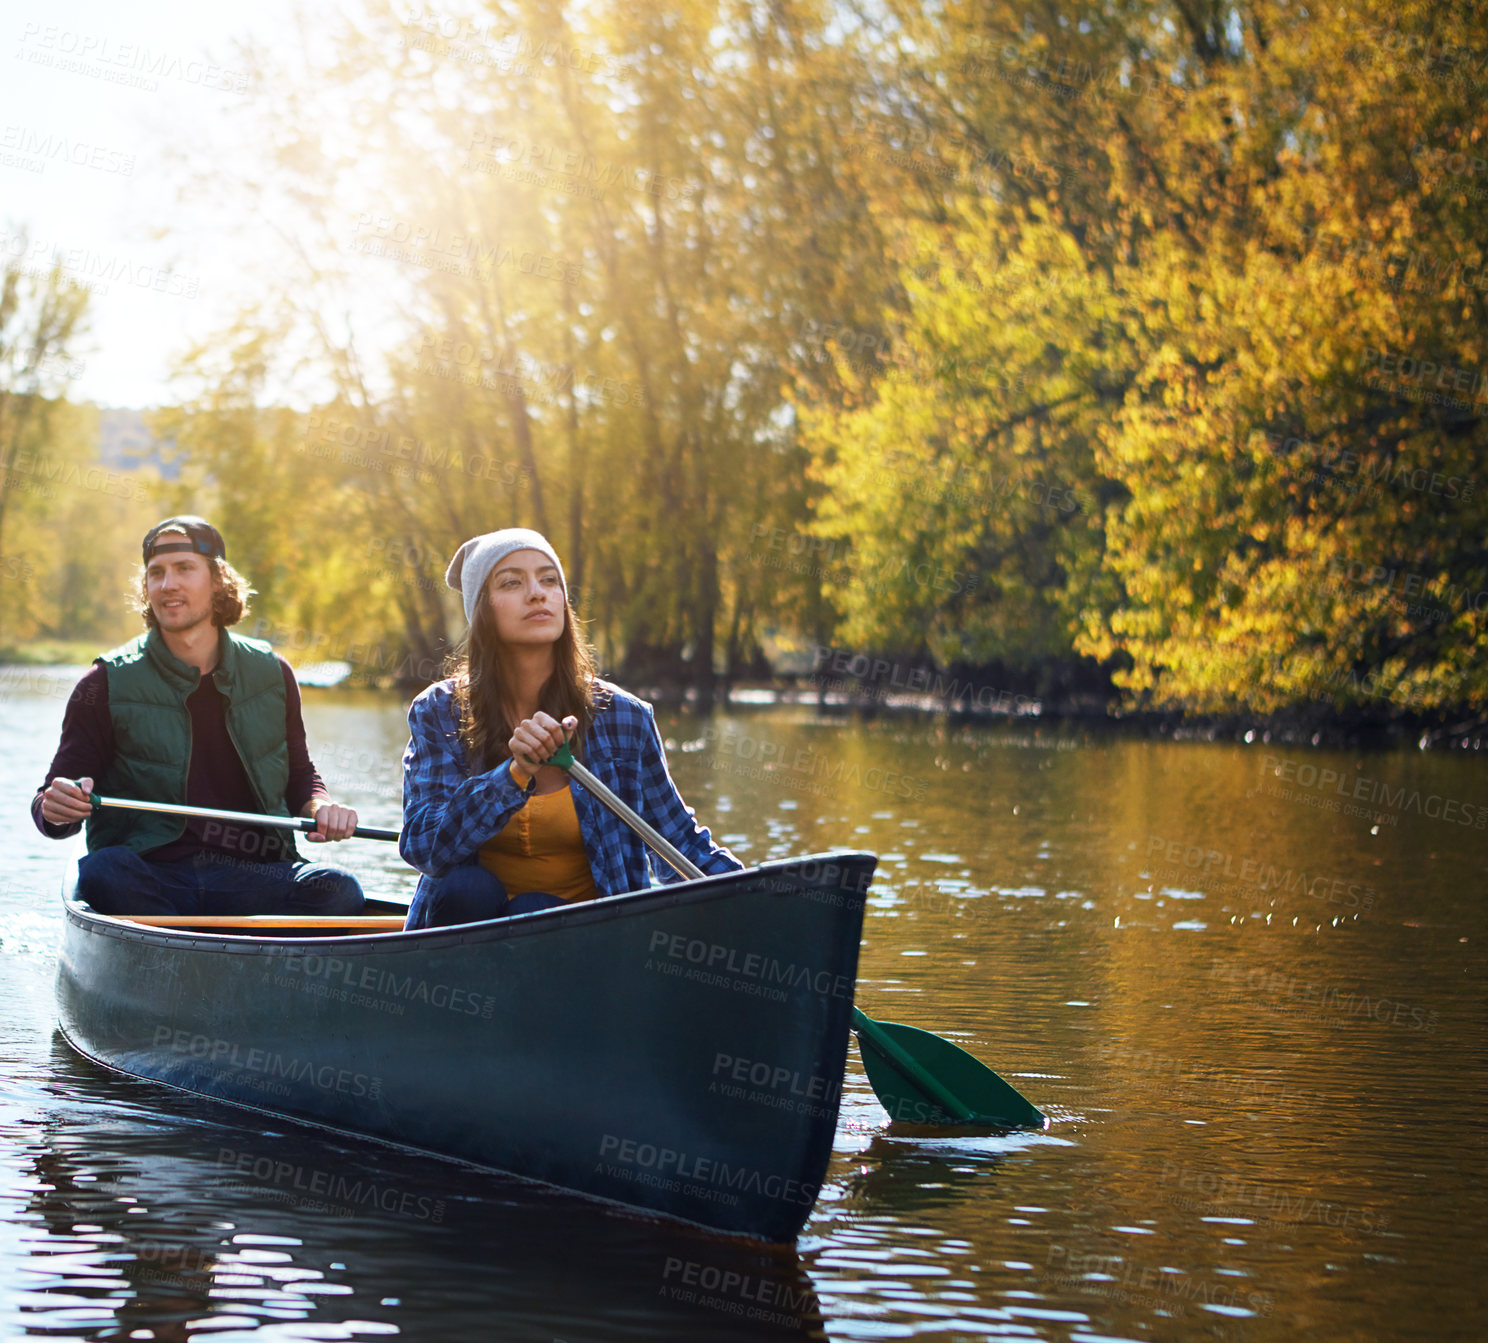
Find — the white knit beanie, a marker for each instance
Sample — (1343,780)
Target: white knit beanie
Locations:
(473,562)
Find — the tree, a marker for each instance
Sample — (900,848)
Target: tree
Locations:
(42,316)
(605,306)
(1191,276)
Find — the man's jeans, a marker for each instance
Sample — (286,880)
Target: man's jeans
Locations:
(116,880)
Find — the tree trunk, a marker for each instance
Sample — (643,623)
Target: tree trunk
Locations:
(576,462)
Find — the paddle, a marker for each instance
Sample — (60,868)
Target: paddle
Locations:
(564,759)
(918,1077)
(304,824)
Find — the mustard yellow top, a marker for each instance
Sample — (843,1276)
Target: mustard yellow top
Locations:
(542,849)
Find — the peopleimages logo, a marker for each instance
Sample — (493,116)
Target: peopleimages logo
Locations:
(1359,574)
(1376,793)
(754,1293)
(337,974)
(880,674)
(717,961)
(269,1064)
(1121,1278)
(1307,997)
(83,268)
(774,1086)
(1216,866)
(1284,1208)
(670,1168)
(128,63)
(50,145)
(330,1186)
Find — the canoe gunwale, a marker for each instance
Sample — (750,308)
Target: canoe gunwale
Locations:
(605,909)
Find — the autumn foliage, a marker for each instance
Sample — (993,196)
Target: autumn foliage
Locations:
(1145,339)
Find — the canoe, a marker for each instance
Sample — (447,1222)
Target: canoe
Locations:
(679,1049)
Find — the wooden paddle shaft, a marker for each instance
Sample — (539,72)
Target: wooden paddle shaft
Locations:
(301,823)
(653,837)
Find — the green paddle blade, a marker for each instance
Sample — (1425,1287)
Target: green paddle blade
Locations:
(921,1078)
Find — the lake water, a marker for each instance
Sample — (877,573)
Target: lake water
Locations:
(1245,981)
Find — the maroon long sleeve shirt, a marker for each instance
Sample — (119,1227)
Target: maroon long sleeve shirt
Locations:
(215,778)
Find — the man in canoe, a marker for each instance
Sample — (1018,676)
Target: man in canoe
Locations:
(494,830)
(190,714)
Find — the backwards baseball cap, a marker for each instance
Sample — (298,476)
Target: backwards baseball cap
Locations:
(201,538)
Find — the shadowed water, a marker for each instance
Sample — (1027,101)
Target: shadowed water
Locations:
(1244,981)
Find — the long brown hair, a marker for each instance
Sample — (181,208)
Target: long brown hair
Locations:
(476,666)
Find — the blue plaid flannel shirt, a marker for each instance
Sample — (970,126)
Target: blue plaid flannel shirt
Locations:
(448,813)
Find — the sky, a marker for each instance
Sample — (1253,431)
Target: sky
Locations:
(94,99)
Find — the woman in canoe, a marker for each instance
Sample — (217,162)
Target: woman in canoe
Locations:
(493,830)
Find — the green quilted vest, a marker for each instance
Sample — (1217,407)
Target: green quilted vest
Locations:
(147,690)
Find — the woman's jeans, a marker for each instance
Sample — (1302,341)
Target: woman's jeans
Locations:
(470,894)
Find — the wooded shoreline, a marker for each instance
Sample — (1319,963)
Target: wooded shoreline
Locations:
(1052,719)
(1101,358)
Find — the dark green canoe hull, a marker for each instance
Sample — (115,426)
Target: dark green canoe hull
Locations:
(679,1050)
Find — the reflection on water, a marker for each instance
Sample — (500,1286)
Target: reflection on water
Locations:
(1245,982)
(156,1217)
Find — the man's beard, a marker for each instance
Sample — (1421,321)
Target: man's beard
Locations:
(203,619)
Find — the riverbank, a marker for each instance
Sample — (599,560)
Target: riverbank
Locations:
(51,653)
(969,700)
(1079,714)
